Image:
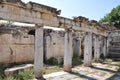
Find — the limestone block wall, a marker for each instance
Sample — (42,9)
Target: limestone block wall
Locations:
(78,43)
(54,44)
(19,48)
(114,44)
(16,45)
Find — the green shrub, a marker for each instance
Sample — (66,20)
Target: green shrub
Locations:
(2,68)
(108,60)
(52,61)
(10,78)
(26,74)
(99,61)
(76,60)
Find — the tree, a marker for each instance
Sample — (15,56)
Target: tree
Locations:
(113,17)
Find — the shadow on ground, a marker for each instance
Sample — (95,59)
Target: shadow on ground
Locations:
(107,70)
(82,76)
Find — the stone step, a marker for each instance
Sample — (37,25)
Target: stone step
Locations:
(13,70)
(116,51)
(114,48)
(114,55)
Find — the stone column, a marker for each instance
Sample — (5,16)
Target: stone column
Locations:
(96,48)
(108,44)
(80,51)
(105,47)
(77,49)
(68,51)
(88,49)
(80,45)
(38,57)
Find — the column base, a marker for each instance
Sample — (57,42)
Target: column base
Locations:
(88,64)
(39,76)
(67,68)
(96,60)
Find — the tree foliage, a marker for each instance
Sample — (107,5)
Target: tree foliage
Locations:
(113,17)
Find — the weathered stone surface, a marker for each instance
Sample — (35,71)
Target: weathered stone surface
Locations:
(98,72)
(113,44)
(96,48)
(68,51)
(18,46)
(16,49)
(88,49)
(38,56)
(5,54)
(54,44)
(77,43)
(11,71)
(35,13)
(105,47)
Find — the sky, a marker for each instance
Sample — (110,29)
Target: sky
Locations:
(92,9)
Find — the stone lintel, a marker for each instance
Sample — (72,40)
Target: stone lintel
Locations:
(33,6)
(34,13)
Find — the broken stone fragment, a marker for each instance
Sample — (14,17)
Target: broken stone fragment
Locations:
(13,70)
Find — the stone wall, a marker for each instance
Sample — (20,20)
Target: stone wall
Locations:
(17,48)
(15,45)
(54,43)
(114,44)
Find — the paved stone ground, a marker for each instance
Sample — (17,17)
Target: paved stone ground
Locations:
(97,72)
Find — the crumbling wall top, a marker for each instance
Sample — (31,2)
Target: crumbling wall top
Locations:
(13,1)
(108,26)
(13,29)
(33,6)
(39,7)
(94,23)
(84,20)
(80,19)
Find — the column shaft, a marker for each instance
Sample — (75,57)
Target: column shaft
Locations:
(105,47)
(38,57)
(77,47)
(96,48)
(68,51)
(88,49)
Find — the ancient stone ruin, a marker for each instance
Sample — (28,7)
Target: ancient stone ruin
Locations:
(19,44)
